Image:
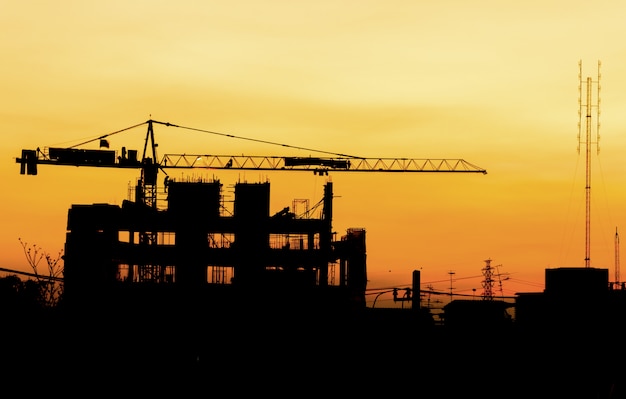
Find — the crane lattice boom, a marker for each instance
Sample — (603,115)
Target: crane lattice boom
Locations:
(316,163)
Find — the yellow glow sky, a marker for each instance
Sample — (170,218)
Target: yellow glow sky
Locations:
(491,82)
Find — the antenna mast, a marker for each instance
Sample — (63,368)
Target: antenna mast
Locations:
(589,104)
(616,259)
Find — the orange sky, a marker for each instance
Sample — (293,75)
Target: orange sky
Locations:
(488,82)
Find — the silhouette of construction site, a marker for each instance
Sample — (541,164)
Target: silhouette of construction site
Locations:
(198,253)
(195,288)
(192,277)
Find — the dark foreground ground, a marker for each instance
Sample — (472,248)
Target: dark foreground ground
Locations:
(287,354)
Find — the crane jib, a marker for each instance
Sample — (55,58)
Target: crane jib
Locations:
(129,159)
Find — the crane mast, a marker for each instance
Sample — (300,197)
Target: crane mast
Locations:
(148,183)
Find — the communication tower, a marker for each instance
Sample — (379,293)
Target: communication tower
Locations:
(488,281)
(589,108)
(616,284)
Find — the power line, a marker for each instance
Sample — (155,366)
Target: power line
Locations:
(38,276)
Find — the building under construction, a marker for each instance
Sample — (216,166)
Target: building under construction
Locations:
(197,254)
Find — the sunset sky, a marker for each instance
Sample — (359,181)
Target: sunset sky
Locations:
(490,82)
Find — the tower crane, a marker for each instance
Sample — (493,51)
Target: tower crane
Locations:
(150,269)
(150,164)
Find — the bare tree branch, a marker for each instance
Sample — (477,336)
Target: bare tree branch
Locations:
(51,286)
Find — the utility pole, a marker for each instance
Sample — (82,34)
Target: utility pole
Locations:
(430,291)
(451,273)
